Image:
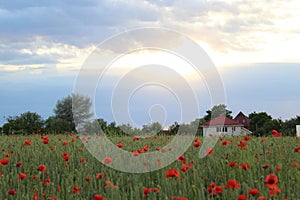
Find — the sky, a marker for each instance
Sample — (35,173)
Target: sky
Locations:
(44,45)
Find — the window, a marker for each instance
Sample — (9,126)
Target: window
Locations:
(222,129)
(233,129)
(244,121)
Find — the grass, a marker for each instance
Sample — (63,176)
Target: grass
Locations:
(192,184)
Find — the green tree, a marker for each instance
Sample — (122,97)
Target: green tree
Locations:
(217,111)
(73,110)
(289,126)
(56,125)
(262,124)
(26,123)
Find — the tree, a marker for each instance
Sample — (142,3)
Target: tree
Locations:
(289,126)
(217,111)
(55,125)
(26,123)
(73,110)
(152,128)
(262,123)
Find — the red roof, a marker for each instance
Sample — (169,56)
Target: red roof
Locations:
(222,121)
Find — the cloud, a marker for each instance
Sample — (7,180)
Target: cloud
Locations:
(55,32)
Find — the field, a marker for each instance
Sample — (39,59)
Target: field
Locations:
(59,167)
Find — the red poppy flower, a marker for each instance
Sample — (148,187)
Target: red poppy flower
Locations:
(41,168)
(136,139)
(76,189)
(172,173)
(135,153)
(185,168)
(261,198)
(273,191)
(21,176)
(242,145)
(12,192)
(242,197)
(53,198)
(278,168)
(46,181)
(27,143)
(65,156)
(4,161)
(276,133)
(265,166)
(19,164)
(156,190)
(181,158)
(233,184)
(294,164)
(98,197)
(100,175)
(88,179)
(214,189)
(82,160)
(225,143)
(120,145)
(179,198)
(271,181)
(197,143)
(65,143)
(253,192)
(146,191)
(232,164)
(107,160)
(247,138)
(297,149)
(245,166)
(36,196)
(209,151)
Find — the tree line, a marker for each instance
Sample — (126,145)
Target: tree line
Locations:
(65,119)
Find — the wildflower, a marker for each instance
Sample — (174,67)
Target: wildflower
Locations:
(21,176)
(253,192)
(41,168)
(276,133)
(27,143)
(242,197)
(271,181)
(65,156)
(172,173)
(76,189)
(233,184)
(209,151)
(4,161)
(297,149)
(12,192)
(98,197)
(107,160)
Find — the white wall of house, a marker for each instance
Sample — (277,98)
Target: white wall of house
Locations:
(225,130)
(298,130)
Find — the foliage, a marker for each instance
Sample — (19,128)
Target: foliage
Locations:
(26,123)
(288,127)
(262,124)
(217,111)
(73,110)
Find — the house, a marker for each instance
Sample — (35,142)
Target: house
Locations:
(224,126)
(241,118)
